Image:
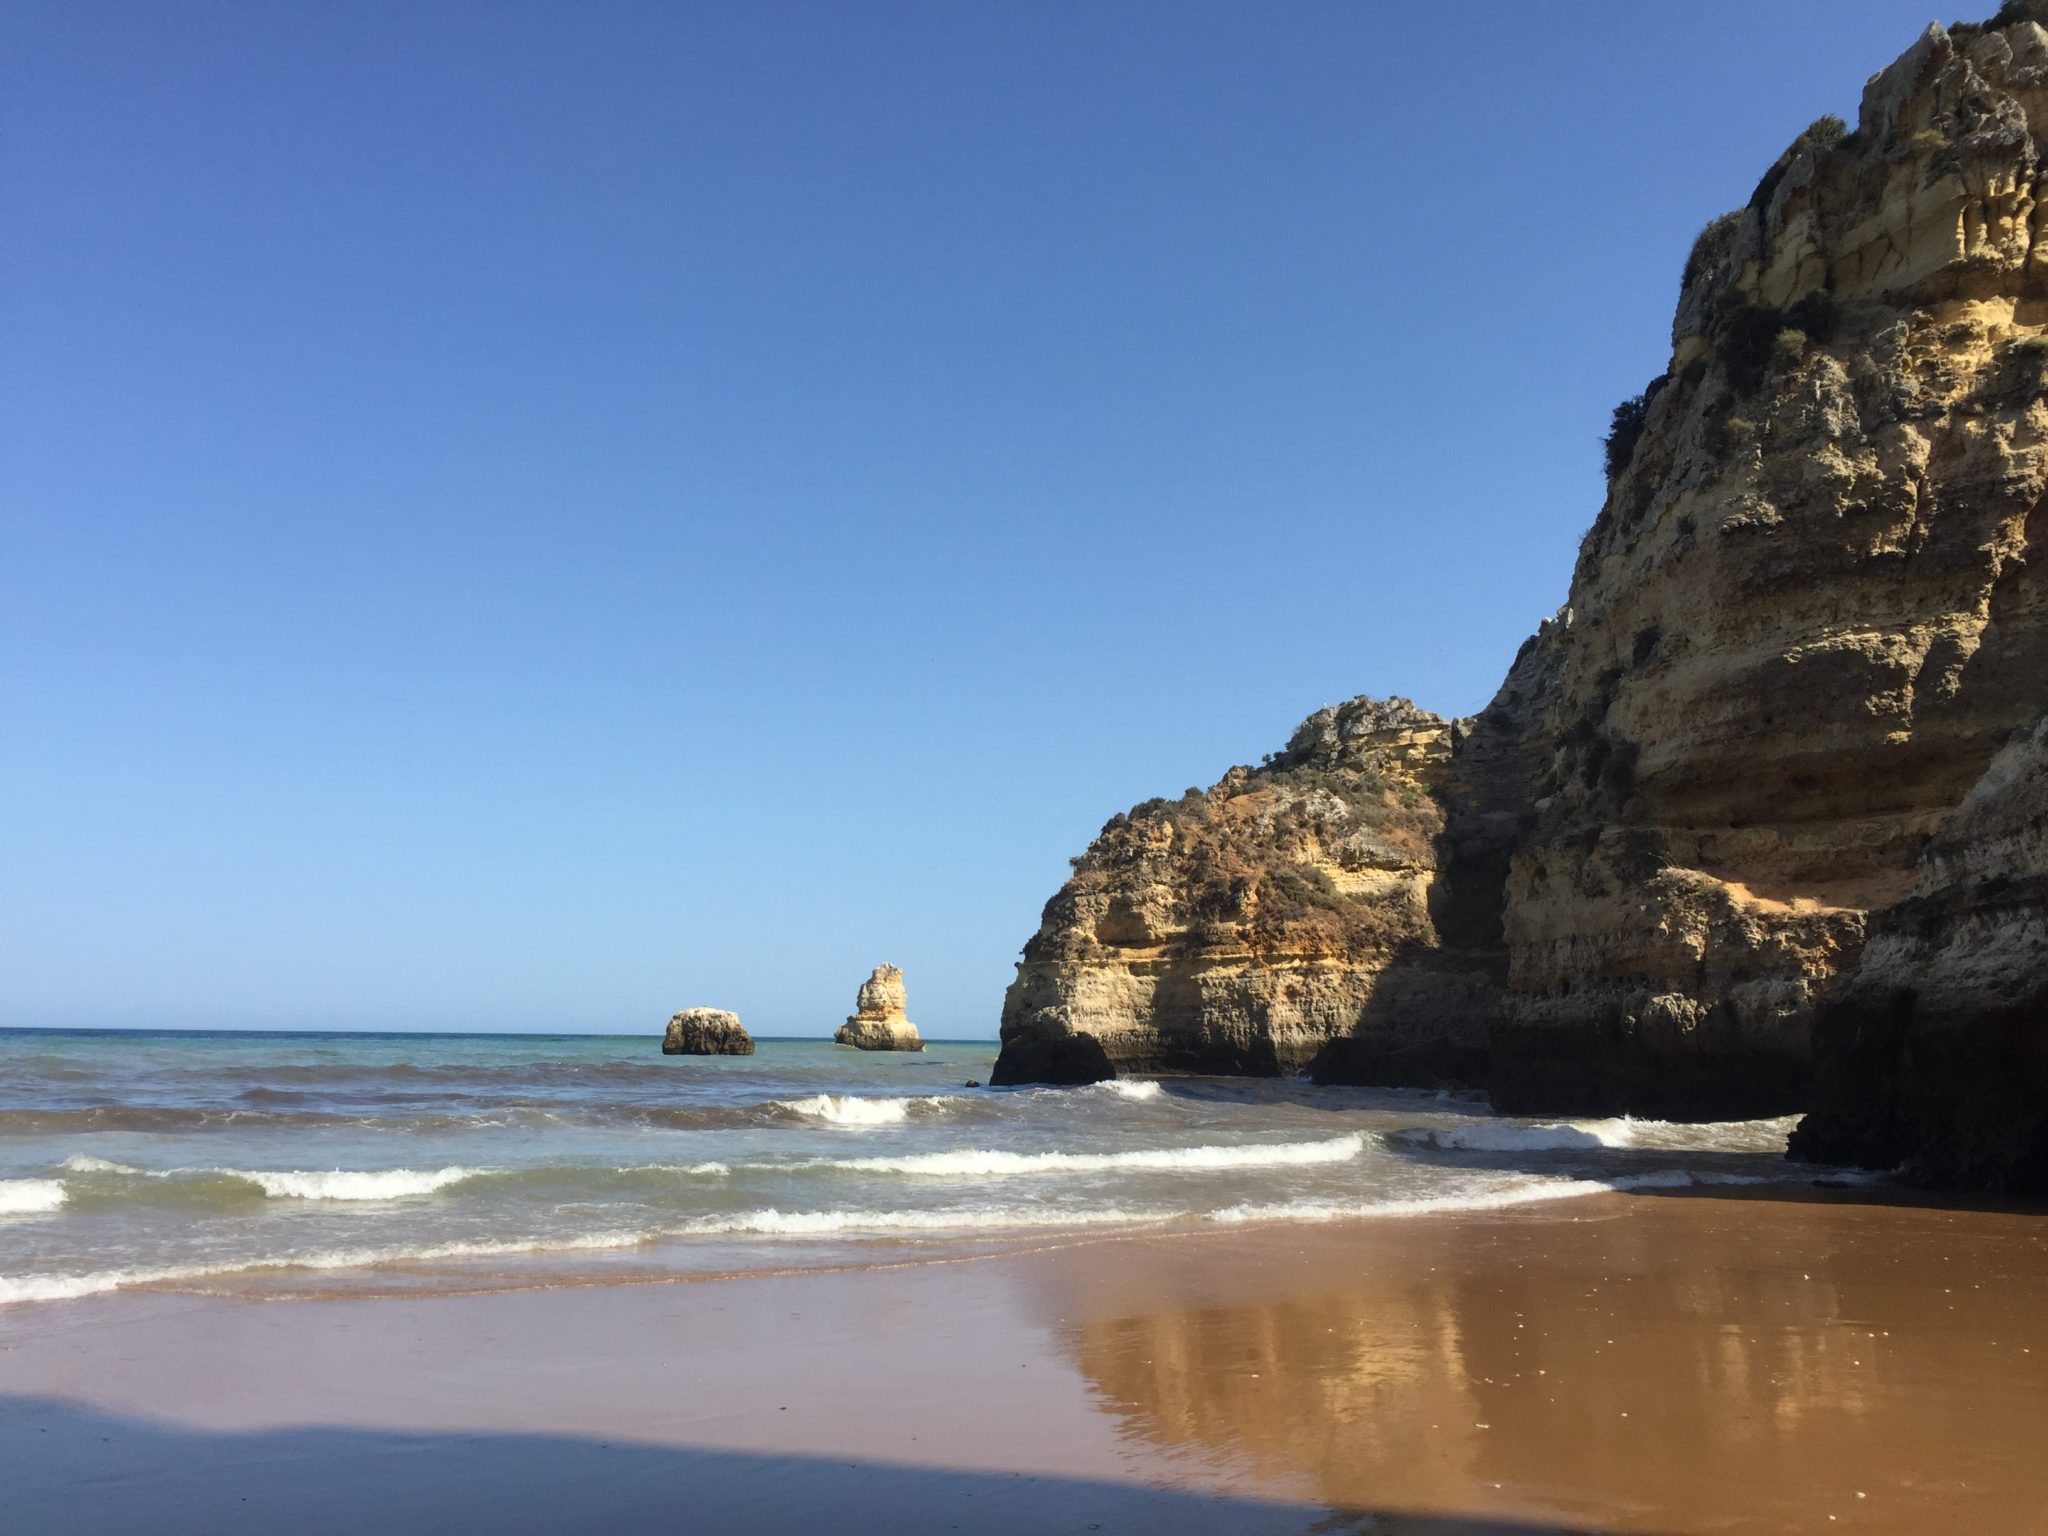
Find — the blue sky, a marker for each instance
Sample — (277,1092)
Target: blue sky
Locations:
(534,516)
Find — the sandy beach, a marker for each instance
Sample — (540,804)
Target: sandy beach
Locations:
(1621,1363)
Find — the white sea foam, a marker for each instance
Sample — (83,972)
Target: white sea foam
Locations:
(850,1109)
(1506,1136)
(766,1222)
(1713,1135)
(1583,1135)
(975,1162)
(778,1223)
(1126,1088)
(1491,1197)
(30,1197)
(345,1184)
(704,1170)
(66,1287)
(81,1163)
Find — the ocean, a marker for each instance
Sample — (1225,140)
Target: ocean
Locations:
(300,1164)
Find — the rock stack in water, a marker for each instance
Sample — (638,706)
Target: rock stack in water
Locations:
(1738,836)
(706,1032)
(879,1022)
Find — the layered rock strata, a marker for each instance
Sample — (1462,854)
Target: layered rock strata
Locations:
(1809,613)
(1806,614)
(706,1032)
(880,1020)
(1288,910)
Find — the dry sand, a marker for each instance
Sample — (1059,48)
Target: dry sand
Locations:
(1628,1363)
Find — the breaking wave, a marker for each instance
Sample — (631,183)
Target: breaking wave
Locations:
(103,1180)
(342,1184)
(1125,1088)
(851,1109)
(1504,1136)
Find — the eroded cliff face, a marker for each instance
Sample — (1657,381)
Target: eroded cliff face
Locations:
(1811,610)
(1245,928)
(1806,616)
(1933,1052)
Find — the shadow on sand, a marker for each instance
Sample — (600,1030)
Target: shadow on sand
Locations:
(70,1471)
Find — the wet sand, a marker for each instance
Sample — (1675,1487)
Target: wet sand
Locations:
(1624,1363)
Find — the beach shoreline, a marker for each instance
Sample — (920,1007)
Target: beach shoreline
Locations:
(1743,1360)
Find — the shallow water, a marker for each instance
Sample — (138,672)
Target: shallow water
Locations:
(314,1163)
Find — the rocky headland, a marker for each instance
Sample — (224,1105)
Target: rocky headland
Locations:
(706,1032)
(880,1020)
(1741,791)
(1294,913)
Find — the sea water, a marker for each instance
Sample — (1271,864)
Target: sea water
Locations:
(299,1163)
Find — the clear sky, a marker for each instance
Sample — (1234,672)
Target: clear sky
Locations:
(534,516)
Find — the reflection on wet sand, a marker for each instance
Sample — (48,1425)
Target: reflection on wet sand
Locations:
(1639,1365)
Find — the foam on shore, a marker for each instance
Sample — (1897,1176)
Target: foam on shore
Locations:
(974,1162)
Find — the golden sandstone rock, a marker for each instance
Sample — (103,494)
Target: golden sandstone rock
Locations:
(879,1021)
(1810,613)
(1805,619)
(1292,910)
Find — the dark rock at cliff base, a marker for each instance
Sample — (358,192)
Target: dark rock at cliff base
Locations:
(1046,1057)
(1934,1052)
(706,1032)
(1621,1065)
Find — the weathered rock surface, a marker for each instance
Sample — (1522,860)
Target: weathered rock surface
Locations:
(880,1021)
(1933,1053)
(706,1032)
(1810,609)
(1246,928)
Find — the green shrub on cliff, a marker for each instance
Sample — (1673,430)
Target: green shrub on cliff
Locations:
(1715,244)
(1624,432)
(2013,11)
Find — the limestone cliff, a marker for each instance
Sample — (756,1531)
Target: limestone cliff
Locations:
(1806,615)
(1246,928)
(881,1019)
(1934,1051)
(1810,611)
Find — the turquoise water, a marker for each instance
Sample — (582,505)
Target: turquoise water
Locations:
(314,1163)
